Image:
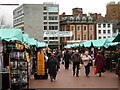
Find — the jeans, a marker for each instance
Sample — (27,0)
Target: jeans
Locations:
(87,70)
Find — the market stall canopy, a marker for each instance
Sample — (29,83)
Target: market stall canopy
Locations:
(41,44)
(117,38)
(26,38)
(87,43)
(32,41)
(109,42)
(75,45)
(68,46)
(98,43)
(11,34)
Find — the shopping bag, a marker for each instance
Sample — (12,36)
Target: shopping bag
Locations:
(95,71)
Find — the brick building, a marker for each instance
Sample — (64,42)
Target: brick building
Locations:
(83,27)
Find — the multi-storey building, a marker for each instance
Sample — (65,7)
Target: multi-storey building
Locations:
(104,29)
(113,10)
(34,19)
(83,27)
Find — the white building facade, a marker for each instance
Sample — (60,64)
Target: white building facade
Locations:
(34,19)
(104,30)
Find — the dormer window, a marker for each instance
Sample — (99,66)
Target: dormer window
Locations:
(90,18)
(71,18)
(84,18)
(78,18)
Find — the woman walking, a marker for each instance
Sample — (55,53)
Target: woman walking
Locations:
(86,61)
(52,67)
(100,63)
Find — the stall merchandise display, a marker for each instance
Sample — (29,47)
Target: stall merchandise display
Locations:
(18,69)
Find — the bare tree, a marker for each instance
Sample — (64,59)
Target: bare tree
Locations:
(2,22)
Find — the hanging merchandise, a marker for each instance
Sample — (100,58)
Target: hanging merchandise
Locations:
(40,63)
(19,75)
(27,57)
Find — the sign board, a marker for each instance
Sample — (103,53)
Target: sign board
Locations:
(52,9)
(57,33)
(40,63)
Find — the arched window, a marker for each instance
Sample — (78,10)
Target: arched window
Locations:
(90,18)
(84,18)
(77,18)
(71,18)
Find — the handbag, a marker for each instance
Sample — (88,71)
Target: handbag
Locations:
(95,71)
(62,62)
(90,63)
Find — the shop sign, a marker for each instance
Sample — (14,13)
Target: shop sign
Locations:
(40,63)
(57,33)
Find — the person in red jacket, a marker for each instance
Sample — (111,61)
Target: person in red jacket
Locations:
(100,63)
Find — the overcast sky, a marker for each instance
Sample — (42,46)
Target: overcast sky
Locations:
(94,6)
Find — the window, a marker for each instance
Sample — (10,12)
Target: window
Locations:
(45,27)
(53,18)
(53,22)
(78,27)
(104,37)
(108,36)
(53,12)
(104,31)
(45,38)
(91,27)
(84,28)
(56,18)
(45,17)
(44,12)
(45,22)
(99,25)
(45,8)
(51,38)
(78,37)
(56,27)
(114,31)
(53,27)
(55,38)
(99,31)
(104,25)
(108,31)
(85,37)
(108,25)
(91,37)
(72,28)
(99,37)
(72,37)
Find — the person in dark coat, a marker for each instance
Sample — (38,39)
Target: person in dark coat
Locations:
(76,59)
(100,63)
(58,58)
(67,58)
(52,67)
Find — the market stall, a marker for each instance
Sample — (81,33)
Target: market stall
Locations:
(117,39)
(15,60)
(41,72)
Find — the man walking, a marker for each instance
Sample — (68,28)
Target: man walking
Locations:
(67,58)
(76,59)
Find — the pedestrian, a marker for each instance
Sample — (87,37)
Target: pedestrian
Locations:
(52,67)
(58,58)
(76,59)
(86,58)
(100,63)
(67,58)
